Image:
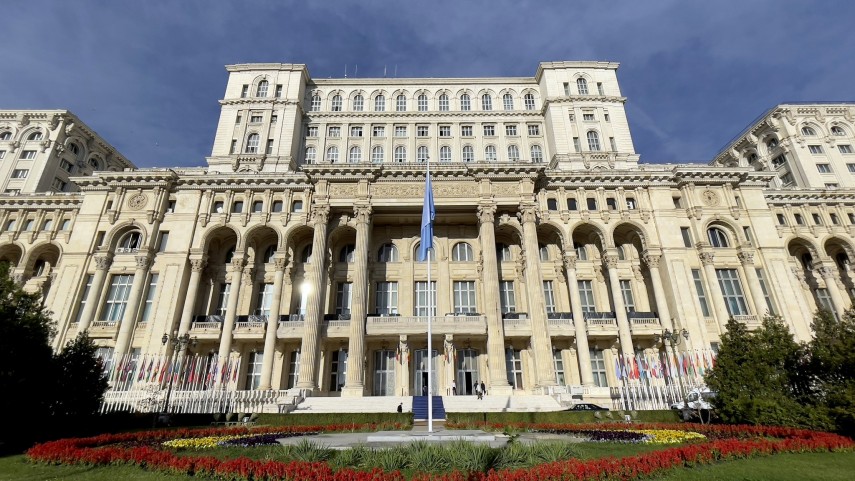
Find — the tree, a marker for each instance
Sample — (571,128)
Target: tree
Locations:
(832,359)
(80,378)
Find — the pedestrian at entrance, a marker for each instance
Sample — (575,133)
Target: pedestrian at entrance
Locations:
(483,389)
(477,390)
(401,407)
(454,388)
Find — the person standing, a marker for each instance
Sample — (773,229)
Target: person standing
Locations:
(483,389)
(454,388)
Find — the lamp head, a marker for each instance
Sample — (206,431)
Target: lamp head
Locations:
(164,339)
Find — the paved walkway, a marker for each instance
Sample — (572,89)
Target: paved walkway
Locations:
(387,439)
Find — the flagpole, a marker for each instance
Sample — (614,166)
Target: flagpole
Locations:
(430,319)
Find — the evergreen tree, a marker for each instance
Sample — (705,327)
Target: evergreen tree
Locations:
(832,355)
(80,378)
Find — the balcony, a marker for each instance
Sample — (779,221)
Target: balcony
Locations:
(250,327)
(516,324)
(644,323)
(290,326)
(751,322)
(447,324)
(103,328)
(561,324)
(207,327)
(601,323)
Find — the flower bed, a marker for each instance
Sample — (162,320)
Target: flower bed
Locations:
(728,442)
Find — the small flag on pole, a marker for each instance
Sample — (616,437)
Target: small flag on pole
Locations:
(428,215)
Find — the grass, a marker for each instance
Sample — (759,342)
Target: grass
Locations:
(18,469)
(781,467)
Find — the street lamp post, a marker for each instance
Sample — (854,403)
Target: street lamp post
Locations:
(179,345)
(673,339)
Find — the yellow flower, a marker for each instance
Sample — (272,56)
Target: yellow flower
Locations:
(206,442)
(669,436)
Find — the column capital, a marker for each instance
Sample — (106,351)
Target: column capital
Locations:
(102,263)
(486,213)
(320,215)
(707,258)
(143,261)
(746,258)
(280,262)
(610,260)
(362,213)
(198,265)
(238,263)
(652,260)
(570,261)
(826,272)
(528,213)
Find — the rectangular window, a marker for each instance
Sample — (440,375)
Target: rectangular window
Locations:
(269,149)
(244,91)
(422,131)
(264,300)
(28,155)
(466,130)
(293,369)
(606,116)
(164,241)
(334,132)
(507,297)
(117,298)
(387,298)
(823,168)
(566,89)
(238,118)
(598,368)
(845,149)
(588,116)
(2,154)
(223,299)
(64,165)
(577,145)
(511,130)
(586,294)
(378,131)
(747,231)
(338,370)
(253,370)
(425,306)
(312,131)
(20,173)
(731,289)
(84,297)
(356,131)
(815,149)
(591,203)
(464,297)
(278,91)
(58,185)
(400,131)
(513,365)
(445,131)
(626,292)
(549,296)
(702,295)
(534,130)
(799,219)
(151,291)
(489,130)
(613,144)
(787,179)
(816,219)
(762,279)
(558,365)
(781,219)
(823,301)
(343,297)
(255,118)
(600,89)
(571,204)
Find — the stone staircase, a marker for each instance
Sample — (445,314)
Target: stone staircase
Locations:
(420,408)
(493,404)
(452,404)
(367,404)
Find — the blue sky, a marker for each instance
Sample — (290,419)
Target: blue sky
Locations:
(147,74)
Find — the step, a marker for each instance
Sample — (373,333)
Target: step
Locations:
(368,404)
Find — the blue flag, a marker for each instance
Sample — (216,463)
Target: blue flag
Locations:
(428,214)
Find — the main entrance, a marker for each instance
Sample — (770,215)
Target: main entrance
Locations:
(467,371)
(384,373)
(420,380)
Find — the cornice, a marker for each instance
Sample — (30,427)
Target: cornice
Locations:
(53,200)
(417,83)
(497,115)
(261,101)
(808,196)
(565,99)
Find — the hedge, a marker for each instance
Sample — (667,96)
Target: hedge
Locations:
(314,419)
(564,417)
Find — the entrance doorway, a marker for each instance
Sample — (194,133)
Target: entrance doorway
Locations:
(384,373)
(467,371)
(420,380)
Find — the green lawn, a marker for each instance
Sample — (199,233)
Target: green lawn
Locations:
(800,467)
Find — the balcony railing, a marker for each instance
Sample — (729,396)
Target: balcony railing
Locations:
(467,323)
(600,320)
(748,320)
(643,320)
(104,324)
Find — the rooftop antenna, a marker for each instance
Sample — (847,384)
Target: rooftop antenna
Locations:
(345,70)
(356,70)
(396,70)
(384,71)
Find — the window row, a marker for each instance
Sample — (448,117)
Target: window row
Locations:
(836,130)
(237,207)
(7,135)
(816,217)
(261,90)
(378,154)
(591,203)
(582,87)
(30,225)
(444,131)
(400,103)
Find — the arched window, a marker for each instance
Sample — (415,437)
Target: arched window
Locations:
(621,253)
(336,103)
(807,261)
(490,153)
(717,237)
(468,154)
(35,136)
(347,253)
(252,144)
(593,141)
(28,225)
(48,224)
(358,102)
(462,252)
(332,154)
(513,153)
(268,254)
(529,101)
(66,224)
(808,131)
(443,103)
(582,86)
(229,255)
(508,101)
(401,103)
(536,153)
(93,162)
(261,91)
(39,268)
(543,250)
(131,242)
(430,254)
(377,154)
(316,103)
(581,253)
(422,154)
(400,154)
(486,102)
(772,143)
(379,103)
(837,130)
(6,135)
(387,253)
(74,149)
(445,154)
(423,103)
(306,255)
(503,252)
(311,155)
(355,155)
(465,103)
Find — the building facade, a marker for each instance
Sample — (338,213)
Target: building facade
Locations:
(557,256)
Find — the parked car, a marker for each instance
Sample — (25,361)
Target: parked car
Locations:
(587,407)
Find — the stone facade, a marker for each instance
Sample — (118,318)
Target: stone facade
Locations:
(555,251)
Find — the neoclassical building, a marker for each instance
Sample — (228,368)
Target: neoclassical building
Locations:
(556,253)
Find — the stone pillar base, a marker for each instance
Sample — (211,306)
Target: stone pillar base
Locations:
(353,391)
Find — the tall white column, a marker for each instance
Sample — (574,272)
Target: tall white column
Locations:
(827,274)
(747,260)
(311,327)
(583,352)
(272,325)
(540,340)
(717,298)
(652,261)
(196,267)
(493,309)
(624,332)
(102,265)
(129,318)
(226,336)
(355,376)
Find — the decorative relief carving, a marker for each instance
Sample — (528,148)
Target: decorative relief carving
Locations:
(102,263)
(455,190)
(362,214)
(710,198)
(320,214)
(343,190)
(143,262)
(610,260)
(486,214)
(137,201)
(745,257)
(398,190)
(506,188)
(570,262)
(238,263)
(826,272)
(528,213)
(652,260)
(636,271)
(280,262)
(707,258)
(197,265)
